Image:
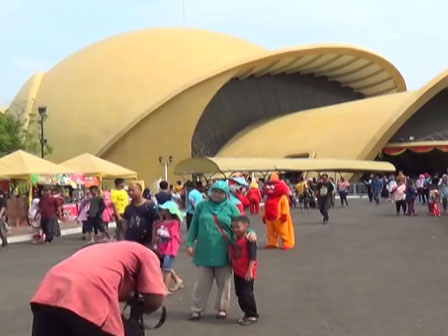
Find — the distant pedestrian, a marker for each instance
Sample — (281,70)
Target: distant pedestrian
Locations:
(167,241)
(377,188)
(164,195)
(385,191)
(179,187)
(411,195)
(244,263)
(147,194)
(254,197)
(399,196)
(433,201)
(309,197)
(193,198)
(333,193)
(108,213)
(34,219)
(368,183)
(343,191)
(420,184)
(443,188)
(120,200)
(301,189)
(95,214)
(391,186)
(401,177)
(48,210)
(3,213)
(82,215)
(139,217)
(324,193)
(427,185)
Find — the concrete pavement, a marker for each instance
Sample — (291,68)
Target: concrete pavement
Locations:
(368,272)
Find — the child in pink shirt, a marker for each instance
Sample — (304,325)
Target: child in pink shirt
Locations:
(167,241)
(108,213)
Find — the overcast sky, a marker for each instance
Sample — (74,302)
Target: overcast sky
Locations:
(412,34)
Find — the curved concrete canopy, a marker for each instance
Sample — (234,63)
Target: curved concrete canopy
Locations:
(354,130)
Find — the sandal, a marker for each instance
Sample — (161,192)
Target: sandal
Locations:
(221,315)
(195,316)
(177,286)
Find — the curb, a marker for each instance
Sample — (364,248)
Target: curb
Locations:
(64,232)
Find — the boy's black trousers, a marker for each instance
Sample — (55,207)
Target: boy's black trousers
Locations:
(246,299)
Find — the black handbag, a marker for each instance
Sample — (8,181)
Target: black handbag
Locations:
(134,325)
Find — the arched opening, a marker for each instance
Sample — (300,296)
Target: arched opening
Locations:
(241,103)
(420,145)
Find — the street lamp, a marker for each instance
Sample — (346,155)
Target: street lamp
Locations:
(42,112)
(165,165)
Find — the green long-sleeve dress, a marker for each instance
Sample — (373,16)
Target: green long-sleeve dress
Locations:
(210,247)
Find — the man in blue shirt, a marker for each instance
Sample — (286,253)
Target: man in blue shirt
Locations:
(194,197)
(377,188)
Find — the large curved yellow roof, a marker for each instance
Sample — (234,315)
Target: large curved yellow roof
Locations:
(360,69)
(97,91)
(25,100)
(105,90)
(354,130)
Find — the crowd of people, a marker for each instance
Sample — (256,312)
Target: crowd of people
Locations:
(404,191)
(219,239)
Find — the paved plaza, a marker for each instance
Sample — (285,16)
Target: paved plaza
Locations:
(368,272)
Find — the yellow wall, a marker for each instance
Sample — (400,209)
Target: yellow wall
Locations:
(166,131)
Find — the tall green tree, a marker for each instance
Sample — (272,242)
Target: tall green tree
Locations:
(15,134)
(12,134)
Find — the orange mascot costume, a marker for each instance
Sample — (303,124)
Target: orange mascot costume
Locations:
(277,215)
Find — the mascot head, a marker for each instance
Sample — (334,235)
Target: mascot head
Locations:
(275,187)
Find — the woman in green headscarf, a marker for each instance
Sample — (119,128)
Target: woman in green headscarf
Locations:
(209,249)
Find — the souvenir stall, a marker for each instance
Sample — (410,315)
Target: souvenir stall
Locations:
(94,167)
(16,171)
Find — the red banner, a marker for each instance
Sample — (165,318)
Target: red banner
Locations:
(394,151)
(421,149)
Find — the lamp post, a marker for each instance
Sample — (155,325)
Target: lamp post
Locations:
(165,165)
(42,112)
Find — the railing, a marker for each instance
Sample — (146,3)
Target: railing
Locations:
(358,189)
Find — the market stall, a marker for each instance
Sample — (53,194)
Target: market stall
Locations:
(91,165)
(19,170)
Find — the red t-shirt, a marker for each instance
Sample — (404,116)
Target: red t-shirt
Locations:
(90,282)
(167,236)
(48,207)
(243,252)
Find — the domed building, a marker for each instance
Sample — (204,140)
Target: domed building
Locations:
(177,92)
